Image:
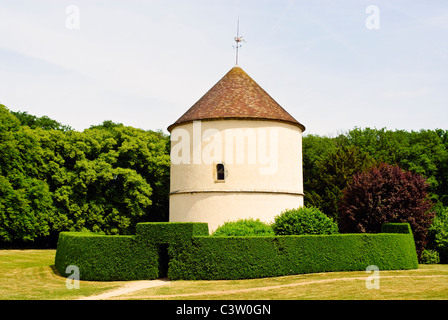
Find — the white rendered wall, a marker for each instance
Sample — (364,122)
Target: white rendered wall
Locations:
(263,164)
(217,208)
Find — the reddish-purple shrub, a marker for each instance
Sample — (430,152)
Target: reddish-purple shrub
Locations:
(386,194)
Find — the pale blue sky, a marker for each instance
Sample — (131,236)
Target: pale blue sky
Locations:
(144,63)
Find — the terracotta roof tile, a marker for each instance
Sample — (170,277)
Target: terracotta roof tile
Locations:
(236,96)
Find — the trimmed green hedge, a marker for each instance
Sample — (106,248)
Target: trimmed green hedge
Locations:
(176,237)
(192,254)
(106,258)
(109,258)
(170,232)
(396,228)
(255,257)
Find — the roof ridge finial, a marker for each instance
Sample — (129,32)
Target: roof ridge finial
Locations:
(238,39)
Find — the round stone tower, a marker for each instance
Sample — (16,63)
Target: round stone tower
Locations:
(235,154)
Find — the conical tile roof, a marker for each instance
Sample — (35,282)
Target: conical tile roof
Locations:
(236,96)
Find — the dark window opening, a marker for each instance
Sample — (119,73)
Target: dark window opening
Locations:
(220,171)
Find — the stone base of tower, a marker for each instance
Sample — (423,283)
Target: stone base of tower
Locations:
(215,208)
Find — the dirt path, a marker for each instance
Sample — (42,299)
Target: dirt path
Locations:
(248,289)
(127,288)
(138,285)
(203,293)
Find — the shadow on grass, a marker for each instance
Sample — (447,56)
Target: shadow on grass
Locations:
(55,271)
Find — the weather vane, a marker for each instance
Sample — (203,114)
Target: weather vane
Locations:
(238,39)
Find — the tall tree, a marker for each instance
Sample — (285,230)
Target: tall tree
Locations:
(333,173)
(387,194)
(43,122)
(26,208)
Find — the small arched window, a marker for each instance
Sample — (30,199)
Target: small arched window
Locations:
(220,171)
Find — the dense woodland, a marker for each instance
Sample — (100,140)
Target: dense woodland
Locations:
(330,163)
(111,176)
(52,178)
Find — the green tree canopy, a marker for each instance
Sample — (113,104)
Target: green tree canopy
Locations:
(105,179)
(332,174)
(43,122)
(329,163)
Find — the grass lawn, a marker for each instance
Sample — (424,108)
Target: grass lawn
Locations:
(30,274)
(427,282)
